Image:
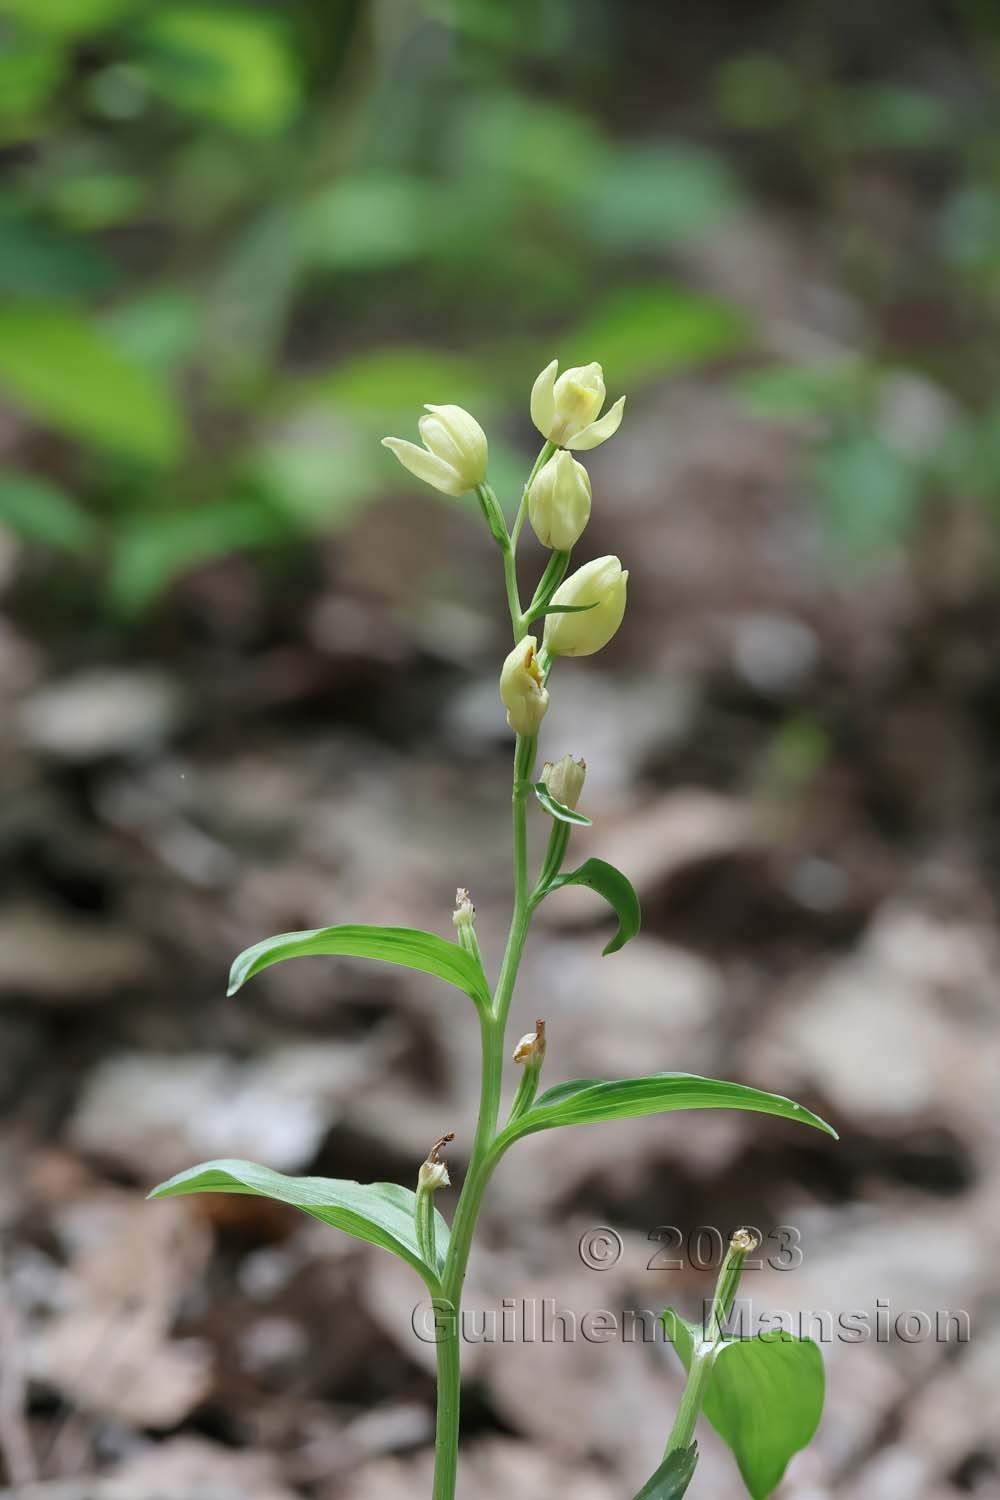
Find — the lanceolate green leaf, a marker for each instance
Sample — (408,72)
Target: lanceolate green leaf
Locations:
(764,1398)
(557,809)
(616,890)
(673,1476)
(584,1100)
(406,946)
(380,1212)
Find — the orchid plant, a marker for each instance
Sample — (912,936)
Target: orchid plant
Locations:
(765,1402)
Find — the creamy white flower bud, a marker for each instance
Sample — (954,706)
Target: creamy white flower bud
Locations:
(433,1172)
(522,688)
(565,410)
(464,914)
(433,1175)
(455,452)
(564,779)
(559,502)
(531,1047)
(600,583)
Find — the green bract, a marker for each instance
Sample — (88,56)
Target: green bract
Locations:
(616,889)
(558,810)
(673,1476)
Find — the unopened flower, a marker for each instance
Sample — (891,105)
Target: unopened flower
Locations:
(600,583)
(464,914)
(455,453)
(433,1172)
(565,410)
(522,688)
(559,502)
(433,1175)
(531,1048)
(564,779)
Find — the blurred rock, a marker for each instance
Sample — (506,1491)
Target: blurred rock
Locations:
(660,842)
(774,654)
(58,960)
(272,1349)
(102,713)
(189,1468)
(614,742)
(916,416)
(635,1012)
(185,1109)
(884,1033)
(107,1349)
(20,661)
(491,1469)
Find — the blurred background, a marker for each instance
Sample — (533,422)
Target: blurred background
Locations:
(248,671)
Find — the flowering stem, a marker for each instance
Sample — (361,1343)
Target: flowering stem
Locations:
(524,762)
(449,1388)
(704,1352)
(481,1159)
(517,618)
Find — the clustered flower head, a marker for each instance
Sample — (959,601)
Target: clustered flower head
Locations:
(586,609)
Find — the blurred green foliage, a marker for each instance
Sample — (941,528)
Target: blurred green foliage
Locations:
(239,241)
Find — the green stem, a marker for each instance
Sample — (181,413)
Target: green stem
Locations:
(544,454)
(553,576)
(449,1395)
(518,620)
(457,1259)
(682,1432)
(481,1159)
(704,1352)
(554,856)
(524,762)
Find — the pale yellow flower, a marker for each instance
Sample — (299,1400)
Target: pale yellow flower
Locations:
(565,410)
(600,583)
(564,779)
(559,502)
(522,688)
(455,452)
